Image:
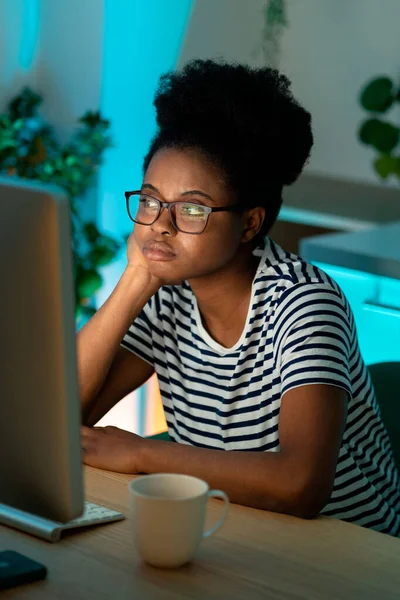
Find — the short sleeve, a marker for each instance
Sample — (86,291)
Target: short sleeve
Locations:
(314,337)
(138,338)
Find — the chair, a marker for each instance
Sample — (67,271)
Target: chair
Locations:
(386,381)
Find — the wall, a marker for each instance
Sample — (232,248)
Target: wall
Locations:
(69,69)
(19,31)
(70,60)
(330,50)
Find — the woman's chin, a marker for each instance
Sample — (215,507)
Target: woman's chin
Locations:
(161,271)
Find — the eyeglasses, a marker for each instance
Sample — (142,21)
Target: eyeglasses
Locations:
(186,217)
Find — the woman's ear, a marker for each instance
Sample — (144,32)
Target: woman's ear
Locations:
(253,220)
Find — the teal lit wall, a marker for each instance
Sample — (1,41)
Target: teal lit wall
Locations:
(141,41)
(30,27)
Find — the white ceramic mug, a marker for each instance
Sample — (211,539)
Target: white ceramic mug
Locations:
(168,513)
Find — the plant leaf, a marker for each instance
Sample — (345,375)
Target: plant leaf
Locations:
(367,130)
(385,165)
(25,105)
(396,167)
(89,281)
(101,256)
(378,95)
(7,143)
(380,134)
(88,311)
(91,232)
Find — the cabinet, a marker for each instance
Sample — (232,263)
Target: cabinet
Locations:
(375,302)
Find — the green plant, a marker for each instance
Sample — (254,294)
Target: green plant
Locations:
(275,20)
(377,97)
(29,149)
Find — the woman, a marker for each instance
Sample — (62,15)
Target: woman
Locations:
(256,351)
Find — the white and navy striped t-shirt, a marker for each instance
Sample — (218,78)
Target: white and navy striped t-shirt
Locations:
(299,330)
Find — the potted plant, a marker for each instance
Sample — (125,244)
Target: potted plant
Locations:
(29,149)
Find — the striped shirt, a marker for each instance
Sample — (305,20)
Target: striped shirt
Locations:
(299,330)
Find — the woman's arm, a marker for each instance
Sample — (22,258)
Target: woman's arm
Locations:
(98,341)
(296,480)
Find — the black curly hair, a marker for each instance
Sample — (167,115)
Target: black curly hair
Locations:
(245,120)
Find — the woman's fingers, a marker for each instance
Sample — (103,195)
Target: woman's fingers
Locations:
(91,431)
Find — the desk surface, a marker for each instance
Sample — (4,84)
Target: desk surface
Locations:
(254,555)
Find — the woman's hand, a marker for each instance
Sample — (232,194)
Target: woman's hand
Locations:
(138,263)
(111,449)
(134,254)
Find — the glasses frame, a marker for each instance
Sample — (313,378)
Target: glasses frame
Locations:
(169,205)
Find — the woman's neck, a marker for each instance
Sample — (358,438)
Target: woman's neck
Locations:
(223,299)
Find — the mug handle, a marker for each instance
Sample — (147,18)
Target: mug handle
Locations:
(224,497)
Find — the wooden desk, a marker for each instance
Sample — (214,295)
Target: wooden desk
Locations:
(255,555)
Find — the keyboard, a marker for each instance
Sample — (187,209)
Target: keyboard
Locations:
(93,514)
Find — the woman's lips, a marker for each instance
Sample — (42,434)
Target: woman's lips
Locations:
(158,251)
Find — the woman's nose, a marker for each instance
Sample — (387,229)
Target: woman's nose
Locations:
(163,223)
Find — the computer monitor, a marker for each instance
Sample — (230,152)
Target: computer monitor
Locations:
(40,450)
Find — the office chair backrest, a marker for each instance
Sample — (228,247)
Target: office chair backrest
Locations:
(386,380)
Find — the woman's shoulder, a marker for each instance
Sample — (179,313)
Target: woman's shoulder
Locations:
(290,273)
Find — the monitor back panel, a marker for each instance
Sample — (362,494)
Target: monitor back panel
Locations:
(40,454)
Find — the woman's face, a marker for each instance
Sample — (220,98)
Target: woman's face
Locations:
(171,173)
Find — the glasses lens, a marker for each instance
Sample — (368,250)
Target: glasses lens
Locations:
(190,218)
(187,217)
(144,210)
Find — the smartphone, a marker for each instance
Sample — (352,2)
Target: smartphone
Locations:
(15,569)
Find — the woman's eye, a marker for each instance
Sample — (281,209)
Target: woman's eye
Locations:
(192,210)
(149,204)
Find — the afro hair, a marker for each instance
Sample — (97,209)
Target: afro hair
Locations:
(243,119)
